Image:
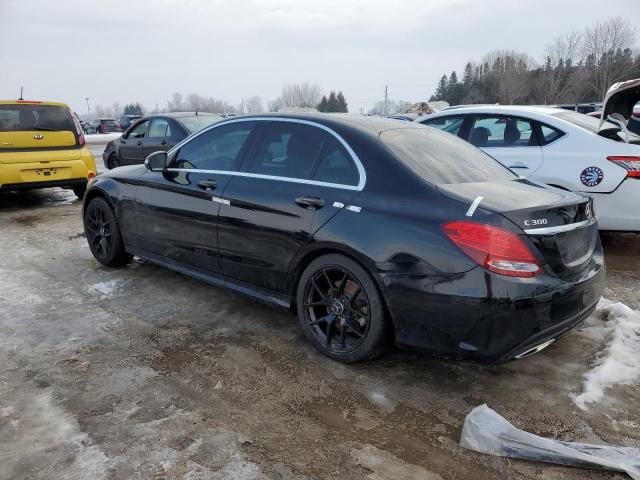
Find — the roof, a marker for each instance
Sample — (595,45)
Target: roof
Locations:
(367,124)
(184,114)
(32,102)
(513,109)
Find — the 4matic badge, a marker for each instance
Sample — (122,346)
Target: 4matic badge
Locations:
(591,176)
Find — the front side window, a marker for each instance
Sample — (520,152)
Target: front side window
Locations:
(139,130)
(502,131)
(216,149)
(440,158)
(448,124)
(336,165)
(159,128)
(289,150)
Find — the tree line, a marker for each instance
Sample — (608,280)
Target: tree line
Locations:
(578,66)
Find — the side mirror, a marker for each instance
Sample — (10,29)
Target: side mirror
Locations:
(156,162)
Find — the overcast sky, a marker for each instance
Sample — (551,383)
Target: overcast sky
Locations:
(143,50)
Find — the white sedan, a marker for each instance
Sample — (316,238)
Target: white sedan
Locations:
(561,148)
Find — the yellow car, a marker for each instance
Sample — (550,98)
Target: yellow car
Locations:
(42,145)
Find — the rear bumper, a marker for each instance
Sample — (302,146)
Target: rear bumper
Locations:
(483,317)
(618,210)
(39,170)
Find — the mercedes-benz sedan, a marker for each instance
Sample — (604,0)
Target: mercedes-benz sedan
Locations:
(373,231)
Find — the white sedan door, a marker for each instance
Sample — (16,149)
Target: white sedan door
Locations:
(510,140)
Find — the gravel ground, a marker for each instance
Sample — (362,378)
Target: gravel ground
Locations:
(144,373)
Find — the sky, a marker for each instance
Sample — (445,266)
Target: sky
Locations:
(144,50)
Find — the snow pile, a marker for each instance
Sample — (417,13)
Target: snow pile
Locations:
(105,289)
(102,137)
(619,361)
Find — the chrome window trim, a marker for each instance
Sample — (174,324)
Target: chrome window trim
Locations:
(559,229)
(361,171)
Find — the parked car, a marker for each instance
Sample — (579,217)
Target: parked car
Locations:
(125,121)
(153,133)
(581,107)
(102,125)
(42,145)
(560,148)
(372,230)
(407,117)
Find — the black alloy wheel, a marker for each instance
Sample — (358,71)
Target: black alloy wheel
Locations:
(114,162)
(340,309)
(103,234)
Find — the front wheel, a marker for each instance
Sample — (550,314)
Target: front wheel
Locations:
(80,190)
(103,234)
(340,309)
(114,162)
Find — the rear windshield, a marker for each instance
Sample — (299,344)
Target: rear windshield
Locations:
(442,158)
(27,117)
(198,122)
(584,121)
(111,123)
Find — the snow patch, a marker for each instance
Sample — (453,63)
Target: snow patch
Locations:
(105,289)
(619,362)
(102,137)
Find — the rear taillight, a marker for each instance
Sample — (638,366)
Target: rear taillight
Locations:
(630,163)
(81,139)
(494,248)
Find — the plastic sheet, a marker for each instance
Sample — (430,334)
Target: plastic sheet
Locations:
(487,432)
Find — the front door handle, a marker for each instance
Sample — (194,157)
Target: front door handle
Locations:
(312,203)
(139,143)
(518,165)
(163,142)
(207,184)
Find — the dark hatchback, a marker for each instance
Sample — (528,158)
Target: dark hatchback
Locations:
(373,231)
(154,133)
(102,125)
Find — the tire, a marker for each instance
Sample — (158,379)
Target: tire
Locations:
(114,162)
(103,234)
(341,310)
(80,190)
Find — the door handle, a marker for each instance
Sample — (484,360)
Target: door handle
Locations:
(123,141)
(163,142)
(139,143)
(312,203)
(207,184)
(518,165)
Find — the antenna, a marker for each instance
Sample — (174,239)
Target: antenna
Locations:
(21,89)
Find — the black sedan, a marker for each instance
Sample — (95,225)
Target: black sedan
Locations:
(154,133)
(371,230)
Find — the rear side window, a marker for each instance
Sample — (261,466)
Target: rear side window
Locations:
(441,158)
(28,117)
(159,128)
(216,149)
(289,150)
(549,134)
(448,124)
(336,165)
(501,131)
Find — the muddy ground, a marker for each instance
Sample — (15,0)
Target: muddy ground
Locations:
(142,373)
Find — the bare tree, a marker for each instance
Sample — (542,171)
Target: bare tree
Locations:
(194,102)
(509,69)
(602,43)
(301,95)
(560,55)
(175,104)
(253,105)
(115,106)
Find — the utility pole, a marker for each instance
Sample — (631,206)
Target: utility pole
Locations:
(88,108)
(21,90)
(386,96)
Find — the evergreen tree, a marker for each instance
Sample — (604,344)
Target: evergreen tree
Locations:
(133,109)
(323,106)
(343,106)
(333,103)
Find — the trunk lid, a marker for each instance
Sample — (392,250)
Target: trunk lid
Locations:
(620,100)
(560,224)
(36,139)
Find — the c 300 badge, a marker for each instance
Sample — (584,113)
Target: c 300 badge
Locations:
(591,176)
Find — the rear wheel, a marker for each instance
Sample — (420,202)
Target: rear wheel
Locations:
(340,309)
(103,234)
(80,190)
(114,162)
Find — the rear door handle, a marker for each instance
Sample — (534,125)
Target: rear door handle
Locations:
(163,142)
(207,184)
(139,143)
(312,203)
